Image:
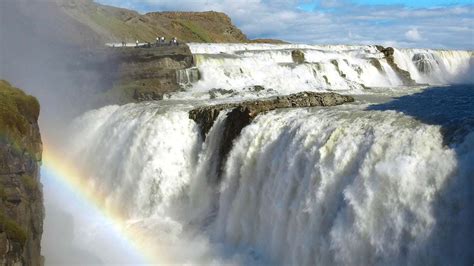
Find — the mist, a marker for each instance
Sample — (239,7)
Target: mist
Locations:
(48,55)
(56,59)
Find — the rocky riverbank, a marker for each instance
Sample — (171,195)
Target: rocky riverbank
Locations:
(21,197)
(242,114)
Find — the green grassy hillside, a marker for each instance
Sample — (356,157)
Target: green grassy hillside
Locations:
(111,24)
(17,111)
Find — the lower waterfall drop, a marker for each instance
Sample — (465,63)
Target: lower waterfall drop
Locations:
(344,187)
(316,186)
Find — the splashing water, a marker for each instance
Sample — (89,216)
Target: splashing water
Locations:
(343,187)
(301,187)
(347,185)
(347,69)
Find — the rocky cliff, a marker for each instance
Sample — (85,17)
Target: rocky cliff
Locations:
(136,74)
(150,73)
(21,198)
(242,114)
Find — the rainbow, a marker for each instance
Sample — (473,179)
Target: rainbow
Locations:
(69,177)
(72,179)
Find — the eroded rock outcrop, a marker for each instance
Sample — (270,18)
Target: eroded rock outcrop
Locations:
(138,74)
(150,73)
(243,113)
(206,115)
(21,198)
(404,75)
(298,56)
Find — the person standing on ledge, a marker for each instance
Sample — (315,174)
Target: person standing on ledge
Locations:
(136,44)
(174,41)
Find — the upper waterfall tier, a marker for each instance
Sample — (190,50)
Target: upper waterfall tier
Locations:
(235,69)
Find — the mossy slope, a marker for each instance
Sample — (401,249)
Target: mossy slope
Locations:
(17,111)
(117,24)
(21,200)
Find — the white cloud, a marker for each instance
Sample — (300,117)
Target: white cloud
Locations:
(413,35)
(441,27)
(332,3)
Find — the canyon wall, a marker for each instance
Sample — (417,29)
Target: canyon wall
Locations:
(21,198)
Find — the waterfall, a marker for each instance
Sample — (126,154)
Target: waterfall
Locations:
(300,187)
(152,165)
(347,69)
(346,187)
(146,153)
(367,183)
(437,67)
(186,77)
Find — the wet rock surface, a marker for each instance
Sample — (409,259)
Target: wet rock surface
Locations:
(404,75)
(298,56)
(243,113)
(206,115)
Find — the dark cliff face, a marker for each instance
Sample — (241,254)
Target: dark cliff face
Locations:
(21,198)
(138,74)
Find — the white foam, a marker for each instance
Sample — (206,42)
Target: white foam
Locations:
(300,187)
(347,69)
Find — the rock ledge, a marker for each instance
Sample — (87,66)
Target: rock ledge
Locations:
(243,113)
(206,115)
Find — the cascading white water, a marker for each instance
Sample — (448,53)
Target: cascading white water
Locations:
(300,187)
(437,67)
(342,69)
(156,149)
(348,69)
(343,185)
(151,163)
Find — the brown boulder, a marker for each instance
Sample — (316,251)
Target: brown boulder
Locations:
(298,56)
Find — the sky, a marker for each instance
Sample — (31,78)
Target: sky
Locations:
(444,24)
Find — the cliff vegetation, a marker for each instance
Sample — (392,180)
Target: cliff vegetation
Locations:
(111,24)
(17,112)
(21,198)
